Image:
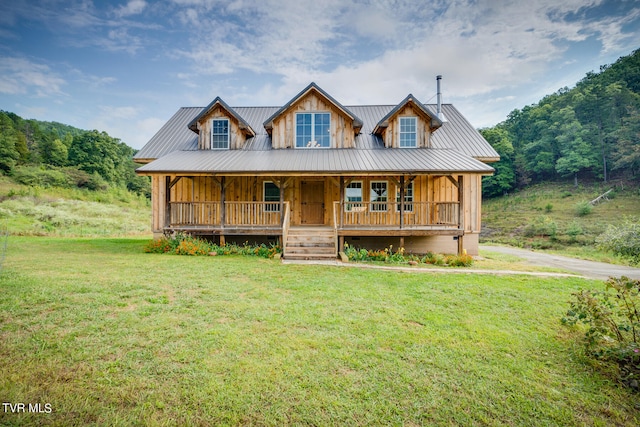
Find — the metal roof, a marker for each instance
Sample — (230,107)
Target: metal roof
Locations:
(323,161)
(455,147)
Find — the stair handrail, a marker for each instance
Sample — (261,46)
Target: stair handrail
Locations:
(286,220)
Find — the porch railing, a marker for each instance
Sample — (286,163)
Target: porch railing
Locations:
(387,214)
(241,214)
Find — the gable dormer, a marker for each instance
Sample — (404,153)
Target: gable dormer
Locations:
(313,119)
(219,127)
(408,125)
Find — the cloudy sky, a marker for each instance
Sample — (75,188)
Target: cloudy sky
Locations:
(126,66)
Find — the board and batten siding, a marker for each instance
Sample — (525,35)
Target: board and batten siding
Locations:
(391,135)
(284,127)
(236,136)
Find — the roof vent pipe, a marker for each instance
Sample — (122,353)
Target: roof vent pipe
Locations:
(439,96)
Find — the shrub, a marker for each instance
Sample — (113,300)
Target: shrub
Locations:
(583,208)
(612,321)
(463,260)
(184,244)
(543,226)
(548,208)
(623,240)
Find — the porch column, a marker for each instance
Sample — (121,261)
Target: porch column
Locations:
(167,201)
(461,213)
(341,206)
(280,185)
(402,203)
(223,186)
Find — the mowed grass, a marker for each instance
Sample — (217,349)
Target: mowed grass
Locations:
(108,335)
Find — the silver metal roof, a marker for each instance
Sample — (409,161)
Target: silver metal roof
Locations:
(325,161)
(456,147)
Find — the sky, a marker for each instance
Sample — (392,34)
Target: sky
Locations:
(125,67)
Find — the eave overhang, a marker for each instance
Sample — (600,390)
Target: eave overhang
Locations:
(434,121)
(356,122)
(242,124)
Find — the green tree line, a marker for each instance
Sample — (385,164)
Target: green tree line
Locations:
(591,131)
(50,153)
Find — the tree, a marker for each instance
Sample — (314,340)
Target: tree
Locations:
(9,155)
(576,154)
(504,178)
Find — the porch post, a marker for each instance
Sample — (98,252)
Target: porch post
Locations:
(281,188)
(167,201)
(402,202)
(222,208)
(461,213)
(341,206)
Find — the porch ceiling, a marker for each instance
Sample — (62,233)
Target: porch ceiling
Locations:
(317,161)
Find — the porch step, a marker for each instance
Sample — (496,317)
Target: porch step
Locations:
(310,243)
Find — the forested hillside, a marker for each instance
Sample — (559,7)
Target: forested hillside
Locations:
(589,132)
(54,154)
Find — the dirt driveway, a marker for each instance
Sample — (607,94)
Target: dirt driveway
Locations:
(592,269)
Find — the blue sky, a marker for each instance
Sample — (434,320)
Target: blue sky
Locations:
(126,66)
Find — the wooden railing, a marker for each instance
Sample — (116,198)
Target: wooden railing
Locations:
(387,214)
(286,221)
(242,214)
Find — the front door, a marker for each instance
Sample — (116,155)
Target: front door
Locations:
(312,200)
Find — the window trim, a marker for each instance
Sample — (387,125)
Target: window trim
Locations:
(379,206)
(414,132)
(270,205)
(228,134)
(313,129)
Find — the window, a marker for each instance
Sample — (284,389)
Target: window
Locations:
(313,130)
(408,198)
(219,134)
(378,196)
(353,194)
(271,193)
(408,132)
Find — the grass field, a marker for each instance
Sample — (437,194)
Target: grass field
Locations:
(107,335)
(527,218)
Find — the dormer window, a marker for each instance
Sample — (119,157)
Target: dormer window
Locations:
(220,134)
(313,130)
(408,132)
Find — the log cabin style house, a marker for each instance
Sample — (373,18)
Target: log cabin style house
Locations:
(314,174)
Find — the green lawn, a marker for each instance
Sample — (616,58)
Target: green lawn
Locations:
(108,335)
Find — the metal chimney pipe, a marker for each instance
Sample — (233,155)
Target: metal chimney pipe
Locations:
(439,109)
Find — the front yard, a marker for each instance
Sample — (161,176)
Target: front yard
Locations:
(105,334)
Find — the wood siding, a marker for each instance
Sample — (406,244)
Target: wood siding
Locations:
(236,136)
(391,135)
(284,127)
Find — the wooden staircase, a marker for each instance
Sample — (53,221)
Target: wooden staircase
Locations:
(310,243)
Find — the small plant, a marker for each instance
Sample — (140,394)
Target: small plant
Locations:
(542,226)
(573,231)
(623,240)
(583,208)
(612,320)
(548,208)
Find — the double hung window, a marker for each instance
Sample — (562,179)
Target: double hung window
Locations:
(313,130)
(408,132)
(271,196)
(353,196)
(408,198)
(220,134)
(378,196)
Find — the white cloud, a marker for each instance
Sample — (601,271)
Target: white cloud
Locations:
(23,76)
(133,7)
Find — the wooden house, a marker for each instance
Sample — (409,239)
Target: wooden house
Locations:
(314,174)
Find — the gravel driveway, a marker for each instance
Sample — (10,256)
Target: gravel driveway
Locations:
(592,269)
